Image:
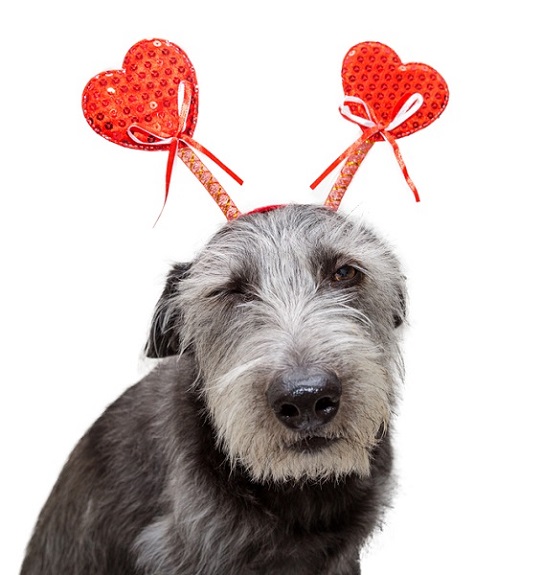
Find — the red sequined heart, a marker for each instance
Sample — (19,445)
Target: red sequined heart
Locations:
(387,100)
(152,104)
(374,73)
(144,93)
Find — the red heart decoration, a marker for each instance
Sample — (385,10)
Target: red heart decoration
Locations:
(144,93)
(142,106)
(373,72)
(387,100)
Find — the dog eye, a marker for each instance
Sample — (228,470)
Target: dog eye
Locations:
(346,273)
(235,291)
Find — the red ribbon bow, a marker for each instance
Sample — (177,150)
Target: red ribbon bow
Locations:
(358,150)
(179,145)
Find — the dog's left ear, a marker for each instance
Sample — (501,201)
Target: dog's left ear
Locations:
(166,326)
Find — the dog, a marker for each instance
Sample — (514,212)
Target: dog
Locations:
(260,442)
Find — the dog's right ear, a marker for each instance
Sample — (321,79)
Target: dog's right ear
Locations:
(165,333)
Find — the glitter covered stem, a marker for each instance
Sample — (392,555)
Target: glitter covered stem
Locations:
(209,182)
(350,167)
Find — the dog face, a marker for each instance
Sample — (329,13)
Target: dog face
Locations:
(292,318)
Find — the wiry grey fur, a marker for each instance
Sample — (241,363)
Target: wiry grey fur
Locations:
(195,470)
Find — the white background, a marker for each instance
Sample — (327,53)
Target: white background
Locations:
(82,265)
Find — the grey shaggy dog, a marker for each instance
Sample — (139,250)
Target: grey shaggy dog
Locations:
(260,442)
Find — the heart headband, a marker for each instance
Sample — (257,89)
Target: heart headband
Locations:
(387,100)
(152,104)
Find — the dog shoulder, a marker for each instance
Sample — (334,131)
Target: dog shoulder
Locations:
(118,469)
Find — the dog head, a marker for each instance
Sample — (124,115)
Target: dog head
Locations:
(292,316)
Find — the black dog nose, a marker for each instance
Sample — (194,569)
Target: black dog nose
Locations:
(305,399)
